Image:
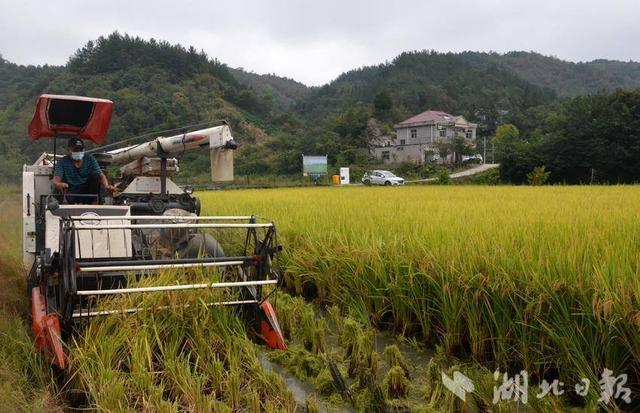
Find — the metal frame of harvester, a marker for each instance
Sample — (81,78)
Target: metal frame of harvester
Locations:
(77,254)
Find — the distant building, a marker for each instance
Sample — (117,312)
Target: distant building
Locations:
(418,138)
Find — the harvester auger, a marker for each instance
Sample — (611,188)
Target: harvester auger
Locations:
(78,253)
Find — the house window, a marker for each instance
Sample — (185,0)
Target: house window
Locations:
(385,155)
(414,133)
(468,134)
(400,148)
(443,133)
(403,142)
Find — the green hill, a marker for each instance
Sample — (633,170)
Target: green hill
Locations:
(486,87)
(155,86)
(15,80)
(567,79)
(417,81)
(282,91)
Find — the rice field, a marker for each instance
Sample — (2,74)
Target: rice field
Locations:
(188,358)
(26,382)
(471,279)
(511,278)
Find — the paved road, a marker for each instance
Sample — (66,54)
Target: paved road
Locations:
(476,170)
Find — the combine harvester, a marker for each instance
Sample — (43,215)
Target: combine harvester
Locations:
(77,254)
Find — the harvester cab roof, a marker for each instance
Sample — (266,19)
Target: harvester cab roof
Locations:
(84,117)
(76,255)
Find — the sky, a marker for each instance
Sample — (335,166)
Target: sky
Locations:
(313,41)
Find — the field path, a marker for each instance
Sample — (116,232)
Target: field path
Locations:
(469,172)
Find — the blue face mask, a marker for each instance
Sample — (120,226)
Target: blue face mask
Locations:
(77,156)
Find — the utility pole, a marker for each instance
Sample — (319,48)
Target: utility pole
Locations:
(493,152)
(484,157)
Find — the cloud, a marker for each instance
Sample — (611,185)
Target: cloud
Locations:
(313,41)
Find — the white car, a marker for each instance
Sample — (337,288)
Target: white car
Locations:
(477,158)
(380,177)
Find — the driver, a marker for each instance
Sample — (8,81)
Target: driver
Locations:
(78,173)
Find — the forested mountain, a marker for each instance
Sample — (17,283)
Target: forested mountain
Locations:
(15,80)
(567,79)
(283,92)
(341,119)
(156,85)
(416,81)
(486,87)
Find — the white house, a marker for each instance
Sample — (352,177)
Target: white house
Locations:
(418,138)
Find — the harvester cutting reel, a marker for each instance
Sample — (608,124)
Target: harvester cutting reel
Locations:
(104,255)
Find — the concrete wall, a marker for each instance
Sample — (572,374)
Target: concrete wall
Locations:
(403,153)
(424,135)
(430,135)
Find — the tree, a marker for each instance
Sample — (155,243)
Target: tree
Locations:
(253,160)
(517,160)
(513,154)
(443,151)
(595,133)
(352,125)
(382,105)
(507,134)
(459,147)
(586,138)
(538,176)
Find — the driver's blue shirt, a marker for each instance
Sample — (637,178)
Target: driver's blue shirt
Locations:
(76,177)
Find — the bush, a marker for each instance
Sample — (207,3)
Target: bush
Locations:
(490,177)
(538,176)
(443,176)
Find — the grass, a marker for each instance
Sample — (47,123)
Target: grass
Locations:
(26,382)
(542,279)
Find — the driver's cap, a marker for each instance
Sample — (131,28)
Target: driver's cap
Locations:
(75,144)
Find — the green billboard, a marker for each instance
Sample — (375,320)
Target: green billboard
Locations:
(314,165)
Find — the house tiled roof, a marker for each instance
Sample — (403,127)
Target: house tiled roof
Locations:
(430,116)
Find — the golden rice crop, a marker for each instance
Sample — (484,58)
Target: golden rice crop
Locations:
(25,379)
(189,358)
(544,279)
(185,359)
